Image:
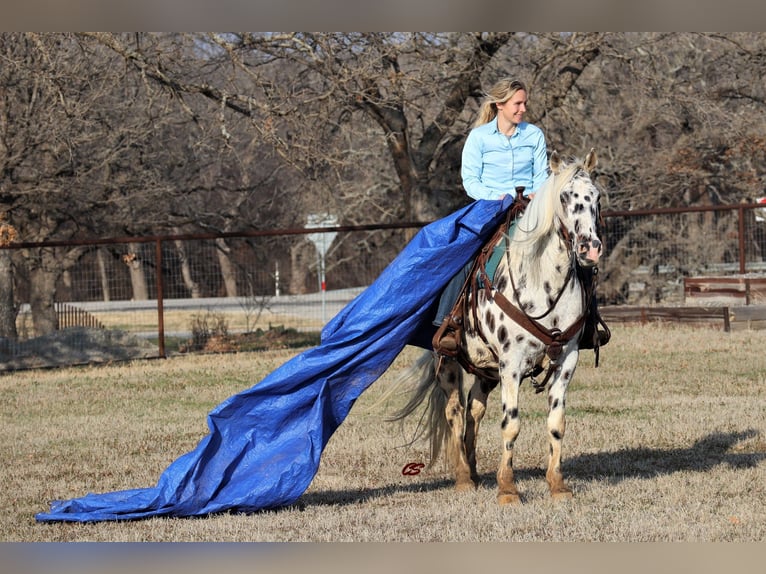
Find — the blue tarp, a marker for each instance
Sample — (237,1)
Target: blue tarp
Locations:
(265,443)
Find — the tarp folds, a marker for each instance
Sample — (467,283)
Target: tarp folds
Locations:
(265,443)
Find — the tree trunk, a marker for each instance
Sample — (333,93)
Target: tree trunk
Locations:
(44,271)
(137,274)
(103,275)
(186,273)
(302,254)
(65,288)
(7,306)
(228,272)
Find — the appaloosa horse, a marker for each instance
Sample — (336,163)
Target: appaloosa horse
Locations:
(523,322)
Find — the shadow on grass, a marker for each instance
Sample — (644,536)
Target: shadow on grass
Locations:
(706,453)
(360,496)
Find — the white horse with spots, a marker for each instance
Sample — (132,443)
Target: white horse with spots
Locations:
(524,322)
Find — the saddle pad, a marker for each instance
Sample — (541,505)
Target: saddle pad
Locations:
(497,255)
(495,258)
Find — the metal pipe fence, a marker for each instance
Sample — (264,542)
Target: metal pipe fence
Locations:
(650,252)
(146,297)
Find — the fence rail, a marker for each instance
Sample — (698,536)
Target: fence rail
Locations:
(154,296)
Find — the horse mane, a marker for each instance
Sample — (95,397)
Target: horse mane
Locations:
(543,214)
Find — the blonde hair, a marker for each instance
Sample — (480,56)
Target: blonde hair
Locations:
(501,92)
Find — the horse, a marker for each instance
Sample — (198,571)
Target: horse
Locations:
(524,321)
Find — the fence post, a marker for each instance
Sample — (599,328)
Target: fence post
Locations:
(160,307)
(741,233)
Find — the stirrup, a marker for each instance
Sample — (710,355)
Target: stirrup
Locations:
(448,343)
(446,340)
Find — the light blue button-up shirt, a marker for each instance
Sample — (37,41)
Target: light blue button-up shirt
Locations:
(495,164)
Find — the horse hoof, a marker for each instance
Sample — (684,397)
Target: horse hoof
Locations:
(465,486)
(564,494)
(508,499)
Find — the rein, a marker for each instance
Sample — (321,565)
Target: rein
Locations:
(554,339)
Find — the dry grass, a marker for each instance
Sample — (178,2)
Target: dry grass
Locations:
(175,320)
(182,320)
(665,442)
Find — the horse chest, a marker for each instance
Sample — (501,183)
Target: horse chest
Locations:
(492,336)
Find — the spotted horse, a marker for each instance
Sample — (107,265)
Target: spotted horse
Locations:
(523,323)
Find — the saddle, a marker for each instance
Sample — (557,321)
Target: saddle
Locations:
(451,329)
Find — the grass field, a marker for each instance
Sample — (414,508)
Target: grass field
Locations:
(665,441)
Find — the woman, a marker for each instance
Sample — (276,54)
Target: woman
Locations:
(502,154)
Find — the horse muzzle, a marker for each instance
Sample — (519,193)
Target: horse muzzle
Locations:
(588,251)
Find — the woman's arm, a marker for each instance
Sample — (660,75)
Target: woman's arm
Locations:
(471,169)
(540,164)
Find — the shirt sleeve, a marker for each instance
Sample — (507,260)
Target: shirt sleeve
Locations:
(471,168)
(540,164)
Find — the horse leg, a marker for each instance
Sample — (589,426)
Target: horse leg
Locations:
(556,424)
(509,430)
(476,407)
(450,378)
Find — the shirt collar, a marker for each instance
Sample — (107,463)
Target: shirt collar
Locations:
(496,129)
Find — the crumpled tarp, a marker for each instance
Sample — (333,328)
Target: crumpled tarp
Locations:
(265,443)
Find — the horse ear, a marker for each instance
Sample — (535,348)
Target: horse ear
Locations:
(590,160)
(555,161)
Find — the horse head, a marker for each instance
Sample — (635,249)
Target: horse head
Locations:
(580,202)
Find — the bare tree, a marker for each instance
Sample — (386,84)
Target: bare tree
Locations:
(367,126)
(227,132)
(8,305)
(323,100)
(679,118)
(77,154)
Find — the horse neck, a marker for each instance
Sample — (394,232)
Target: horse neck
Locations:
(541,266)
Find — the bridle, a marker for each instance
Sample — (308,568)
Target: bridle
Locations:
(553,338)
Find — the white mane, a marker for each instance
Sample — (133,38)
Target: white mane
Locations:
(542,215)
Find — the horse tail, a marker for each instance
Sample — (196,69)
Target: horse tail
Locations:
(432,425)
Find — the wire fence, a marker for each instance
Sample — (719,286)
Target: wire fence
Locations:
(157,296)
(650,253)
